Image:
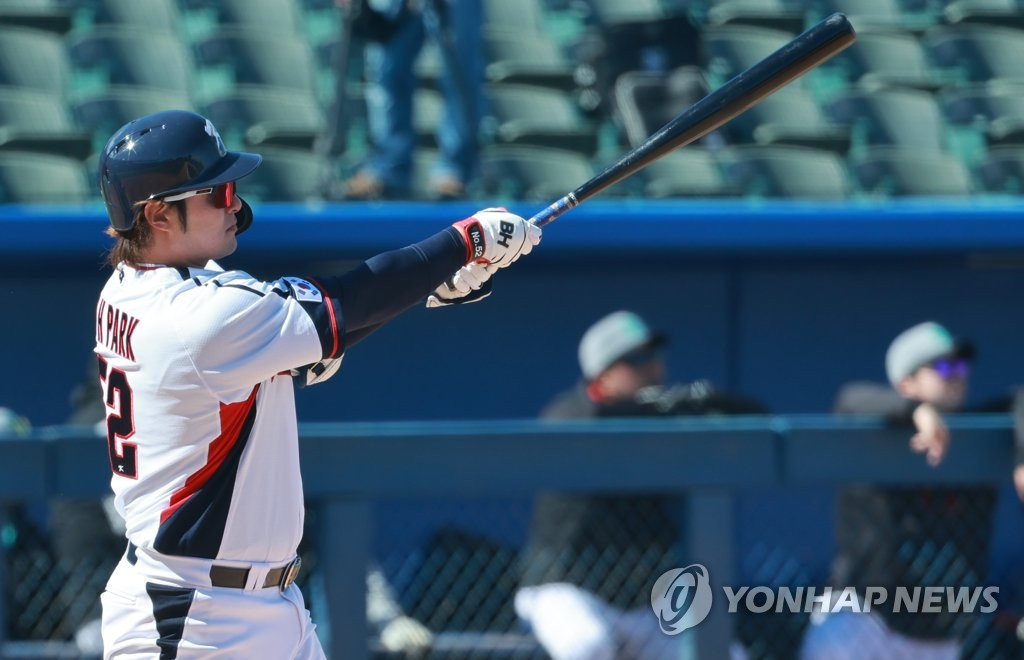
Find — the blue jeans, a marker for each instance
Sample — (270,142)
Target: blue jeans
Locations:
(392,83)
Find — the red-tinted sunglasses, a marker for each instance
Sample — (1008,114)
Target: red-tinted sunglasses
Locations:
(223,194)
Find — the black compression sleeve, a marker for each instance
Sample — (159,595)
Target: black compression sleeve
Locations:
(386,285)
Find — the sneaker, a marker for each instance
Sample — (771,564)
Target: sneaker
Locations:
(448,189)
(363,186)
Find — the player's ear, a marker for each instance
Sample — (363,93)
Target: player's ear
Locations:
(160,215)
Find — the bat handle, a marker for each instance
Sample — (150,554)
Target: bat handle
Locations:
(555,210)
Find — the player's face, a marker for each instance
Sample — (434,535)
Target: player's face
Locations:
(211,230)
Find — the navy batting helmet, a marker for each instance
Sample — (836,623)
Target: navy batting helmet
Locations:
(164,153)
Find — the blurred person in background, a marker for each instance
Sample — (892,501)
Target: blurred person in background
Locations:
(576,609)
(908,536)
(394,31)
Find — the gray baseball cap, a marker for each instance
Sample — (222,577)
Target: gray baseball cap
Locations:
(917,346)
(612,338)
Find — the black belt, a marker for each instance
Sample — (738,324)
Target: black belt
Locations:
(236,577)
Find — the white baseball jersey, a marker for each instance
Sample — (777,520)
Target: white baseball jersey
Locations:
(201,425)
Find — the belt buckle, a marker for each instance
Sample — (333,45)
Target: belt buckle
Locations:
(291,571)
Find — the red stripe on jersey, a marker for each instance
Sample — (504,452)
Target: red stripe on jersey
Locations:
(232,418)
(334,318)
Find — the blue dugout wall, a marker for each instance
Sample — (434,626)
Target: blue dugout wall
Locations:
(783,301)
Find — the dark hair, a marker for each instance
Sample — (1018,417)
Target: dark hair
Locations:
(129,244)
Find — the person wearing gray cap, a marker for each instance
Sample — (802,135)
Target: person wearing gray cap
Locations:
(579,608)
(886,534)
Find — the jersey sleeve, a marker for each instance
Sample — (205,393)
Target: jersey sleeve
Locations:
(239,331)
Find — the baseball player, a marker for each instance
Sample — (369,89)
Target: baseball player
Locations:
(197,366)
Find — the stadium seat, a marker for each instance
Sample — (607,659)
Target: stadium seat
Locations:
(267,116)
(730,49)
(530,59)
(889,59)
(104,113)
(34,178)
(790,116)
(34,59)
(895,117)
(47,15)
(772,14)
(540,116)
(134,57)
(613,12)
(689,172)
(286,175)
(535,173)
(790,172)
(31,120)
(906,171)
(1004,13)
(161,15)
(521,15)
(878,13)
(644,102)
(1003,170)
(282,16)
(261,58)
(978,53)
(996,108)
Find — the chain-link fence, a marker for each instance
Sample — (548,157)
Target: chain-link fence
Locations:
(458,568)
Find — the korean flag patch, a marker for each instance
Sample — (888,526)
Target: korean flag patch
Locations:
(304,291)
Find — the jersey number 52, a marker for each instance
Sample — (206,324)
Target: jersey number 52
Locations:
(117,395)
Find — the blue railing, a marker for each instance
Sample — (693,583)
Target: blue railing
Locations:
(347,466)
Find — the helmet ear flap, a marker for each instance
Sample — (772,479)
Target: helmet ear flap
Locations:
(243,217)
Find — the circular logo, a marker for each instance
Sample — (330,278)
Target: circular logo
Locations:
(681,598)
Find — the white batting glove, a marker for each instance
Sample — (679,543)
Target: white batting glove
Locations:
(471,283)
(495,236)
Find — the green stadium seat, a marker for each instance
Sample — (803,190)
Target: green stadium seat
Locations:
(540,116)
(267,116)
(615,12)
(257,57)
(978,53)
(47,15)
(521,15)
(879,13)
(294,175)
(789,117)
(644,102)
(689,172)
(34,178)
(34,59)
(1003,13)
(891,117)
(31,120)
(889,59)
(160,15)
(905,171)
(134,57)
(731,49)
(787,172)
(535,173)
(772,14)
(1003,170)
(996,108)
(104,113)
(282,16)
(530,59)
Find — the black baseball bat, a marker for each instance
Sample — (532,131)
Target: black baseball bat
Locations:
(806,51)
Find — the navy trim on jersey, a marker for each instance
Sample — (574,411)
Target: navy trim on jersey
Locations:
(170,609)
(185,273)
(195,527)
